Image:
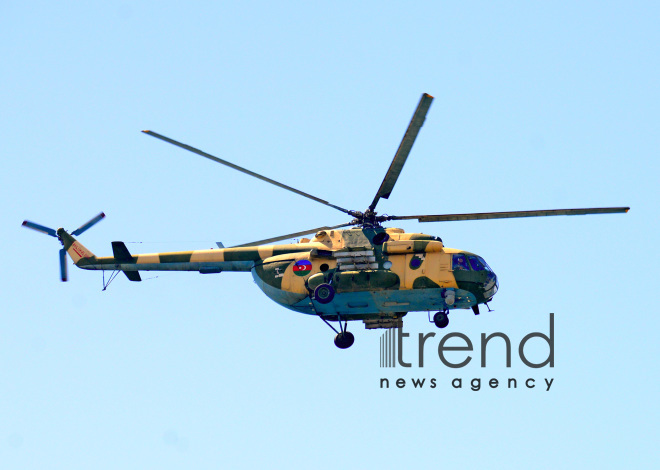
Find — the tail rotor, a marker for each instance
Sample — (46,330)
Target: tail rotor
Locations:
(64,276)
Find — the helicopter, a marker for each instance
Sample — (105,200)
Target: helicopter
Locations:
(367,272)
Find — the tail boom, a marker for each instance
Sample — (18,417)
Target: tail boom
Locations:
(203,261)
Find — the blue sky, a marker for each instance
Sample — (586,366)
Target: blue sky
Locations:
(537,106)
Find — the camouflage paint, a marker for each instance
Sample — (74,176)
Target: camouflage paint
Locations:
(408,272)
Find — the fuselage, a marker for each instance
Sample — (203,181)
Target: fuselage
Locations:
(374,272)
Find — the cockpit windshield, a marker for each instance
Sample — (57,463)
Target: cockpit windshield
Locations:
(483,261)
(476,263)
(459,263)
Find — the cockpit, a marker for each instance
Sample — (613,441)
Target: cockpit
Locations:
(465,262)
(483,275)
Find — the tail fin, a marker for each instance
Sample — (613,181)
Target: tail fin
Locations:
(72,246)
(122,255)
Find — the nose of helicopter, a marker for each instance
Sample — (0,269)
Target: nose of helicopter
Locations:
(490,286)
(473,274)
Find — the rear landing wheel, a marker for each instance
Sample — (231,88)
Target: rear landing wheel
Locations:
(441,320)
(344,340)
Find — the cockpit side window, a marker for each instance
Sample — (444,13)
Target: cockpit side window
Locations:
(459,263)
(476,264)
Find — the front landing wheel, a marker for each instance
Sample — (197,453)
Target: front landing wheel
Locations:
(324,293)
(344,340)
(441,320)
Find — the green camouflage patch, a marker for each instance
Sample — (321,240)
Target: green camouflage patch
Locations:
(272,273)
(183,257)
(424,282)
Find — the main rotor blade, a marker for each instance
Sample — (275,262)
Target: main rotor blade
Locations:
(40,228)
(243,170)
(63,267)
(290,235)
(404,149)
(89,224)
(508,215)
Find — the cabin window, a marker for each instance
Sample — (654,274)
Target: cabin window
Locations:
(459,263)
(476,264)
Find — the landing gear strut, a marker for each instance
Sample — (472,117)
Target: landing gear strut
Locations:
(344,338)
(324,294)
(441,319)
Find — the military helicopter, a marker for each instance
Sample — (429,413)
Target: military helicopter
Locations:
(367,272)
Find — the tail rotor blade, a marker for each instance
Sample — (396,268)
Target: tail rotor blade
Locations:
(88,224)
(40,228)
(63,267)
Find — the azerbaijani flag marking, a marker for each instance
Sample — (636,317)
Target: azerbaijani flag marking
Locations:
(302,267)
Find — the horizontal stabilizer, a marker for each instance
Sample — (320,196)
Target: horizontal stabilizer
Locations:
(133,276)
